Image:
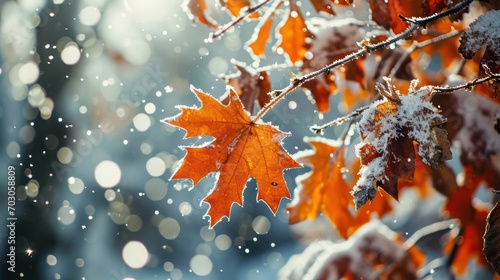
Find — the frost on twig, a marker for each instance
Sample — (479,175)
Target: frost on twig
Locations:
(388,129)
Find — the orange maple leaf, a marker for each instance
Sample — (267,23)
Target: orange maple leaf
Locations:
(294,34)
(235,6)
(242,148)
(325,189)
(261,35)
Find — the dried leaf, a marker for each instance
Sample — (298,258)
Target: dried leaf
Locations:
(195,10)
(480,34)
(386,13)
(294,34)
(491,237)
(470,125)
(250,85)
(387,129)
(431,7)
(241,149)
(444,180)
(325,189)
(329,44)
(483,32)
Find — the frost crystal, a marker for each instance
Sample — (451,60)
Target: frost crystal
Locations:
(483,31)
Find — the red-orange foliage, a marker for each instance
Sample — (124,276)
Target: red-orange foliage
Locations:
(242,149)
(405,138)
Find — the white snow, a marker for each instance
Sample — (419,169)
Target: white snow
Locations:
(414,115)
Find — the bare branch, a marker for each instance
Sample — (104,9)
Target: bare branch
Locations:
(470,85)
(243,14)
(319,128)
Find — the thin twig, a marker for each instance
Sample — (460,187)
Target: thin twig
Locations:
(342,138)
(365,49)
(243,14)
(468,86)
(319,128)
(276,66)
(421,234)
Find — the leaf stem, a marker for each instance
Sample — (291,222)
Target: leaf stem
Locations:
(365,49)
(243,14)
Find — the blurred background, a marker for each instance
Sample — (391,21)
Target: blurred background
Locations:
(84,85)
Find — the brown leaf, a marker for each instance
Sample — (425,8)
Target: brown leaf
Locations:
(387,129)
(444,180)
(431,7)
(242,149)
(250,86)
(470,125)
(386,13)
(379,12)
(480,35)
(325,189)
(491,237)
(294,34)
(196,11)
(329,44)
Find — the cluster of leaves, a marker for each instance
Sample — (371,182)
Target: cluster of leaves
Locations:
(405,135)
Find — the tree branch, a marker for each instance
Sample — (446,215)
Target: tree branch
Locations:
(365,48)
(243,14)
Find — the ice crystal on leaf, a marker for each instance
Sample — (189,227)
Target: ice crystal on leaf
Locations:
(389,128)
